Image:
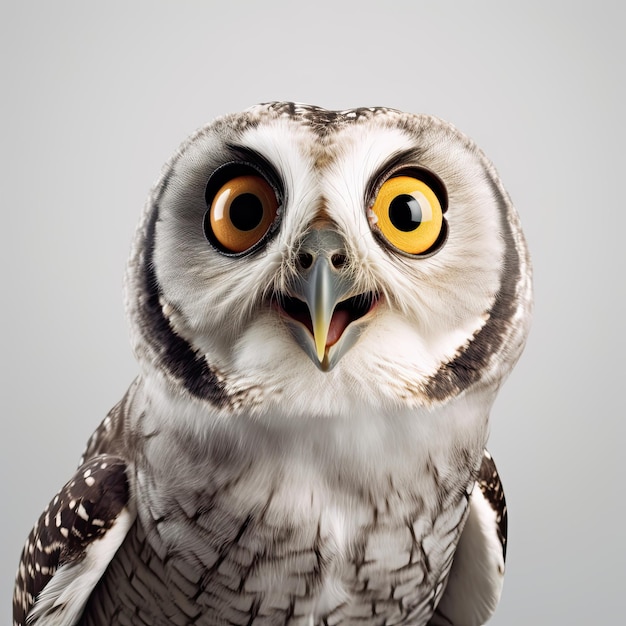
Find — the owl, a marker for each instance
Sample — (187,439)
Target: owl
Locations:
(323,307)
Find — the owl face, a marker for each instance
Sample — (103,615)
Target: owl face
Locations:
(368,253)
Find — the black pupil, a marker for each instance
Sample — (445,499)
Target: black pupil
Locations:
(405,213)
(246,211)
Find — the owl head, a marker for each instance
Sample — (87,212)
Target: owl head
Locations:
(328,259)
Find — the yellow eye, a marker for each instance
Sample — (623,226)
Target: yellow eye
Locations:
(408,214)
(241,212)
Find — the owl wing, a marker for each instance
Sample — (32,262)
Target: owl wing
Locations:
(72,544)
(475,581)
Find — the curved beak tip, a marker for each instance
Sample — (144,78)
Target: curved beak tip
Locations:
(320,335)
(324,364)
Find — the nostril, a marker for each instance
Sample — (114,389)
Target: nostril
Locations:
(305,260)
(338,260)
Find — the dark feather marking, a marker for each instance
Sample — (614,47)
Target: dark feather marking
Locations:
(323,121)
(399,162)
(248,157)
(466,368)
(414,543)
(176,355)
(433,471)
(243,528)
(489,482)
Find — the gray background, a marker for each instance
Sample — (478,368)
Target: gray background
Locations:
(96,97)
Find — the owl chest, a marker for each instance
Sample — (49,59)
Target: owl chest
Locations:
(282,556)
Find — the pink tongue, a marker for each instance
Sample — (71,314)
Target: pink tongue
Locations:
(338,324)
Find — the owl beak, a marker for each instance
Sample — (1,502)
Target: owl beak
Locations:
(322,292)
(323,289)
(319,309)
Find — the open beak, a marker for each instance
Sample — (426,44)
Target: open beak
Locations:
(321,308)
(321,293)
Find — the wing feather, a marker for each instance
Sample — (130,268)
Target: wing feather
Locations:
(72,543)
(475,581)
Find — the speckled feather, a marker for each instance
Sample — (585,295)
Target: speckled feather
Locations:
(81,513)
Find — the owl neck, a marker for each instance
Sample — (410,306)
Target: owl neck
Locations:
(361,451)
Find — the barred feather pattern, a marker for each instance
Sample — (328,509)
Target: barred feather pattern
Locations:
(211,583)
(209,563)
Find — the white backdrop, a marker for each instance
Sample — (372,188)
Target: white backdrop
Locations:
(95,97)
